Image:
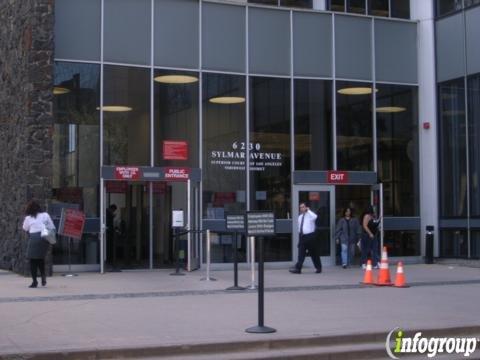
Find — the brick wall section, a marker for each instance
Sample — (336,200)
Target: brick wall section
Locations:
(26,120)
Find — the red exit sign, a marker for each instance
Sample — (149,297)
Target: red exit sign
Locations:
(337,177)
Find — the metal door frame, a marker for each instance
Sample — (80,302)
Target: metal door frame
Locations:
(326,260)
(379,210)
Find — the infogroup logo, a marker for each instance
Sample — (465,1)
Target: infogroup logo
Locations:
(432,347)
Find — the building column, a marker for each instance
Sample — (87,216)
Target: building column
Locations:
(423,12)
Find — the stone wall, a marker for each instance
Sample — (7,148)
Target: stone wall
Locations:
(26,120)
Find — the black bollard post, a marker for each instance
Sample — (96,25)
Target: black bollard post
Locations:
(176,244)
(235,264)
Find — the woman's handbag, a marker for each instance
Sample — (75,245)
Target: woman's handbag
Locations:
(49,235)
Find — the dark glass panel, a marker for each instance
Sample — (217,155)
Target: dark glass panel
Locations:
(378,8)
(469,3)
(473,94)
(453,243)
(397,144)
(76,153)
(400,9)
(402,242)
(354,126)
(313,129)
(221,250)
(475,244)
(336,5)
(448,6)
(264,2)
(270,145)
(308,4)
(452,149)
(224,150)
(356,6)
(126,116)
(176,117)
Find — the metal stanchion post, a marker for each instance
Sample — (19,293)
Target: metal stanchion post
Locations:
(208,278)
(252,263)
(176,244)
(235,264)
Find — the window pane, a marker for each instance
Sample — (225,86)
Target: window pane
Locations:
(76,153)
(297,3)
(264,2)
(270,144)
(354,126)
(402,243)
(223,145)
(452,149)
(475,244)
(336,5)
(313,130)
(397,138)
(471,2)
(356,6)
(474,145)
(400,9)
(126,116)
(447,6)
(176,117)
(222,247)
(453,243)
(378,7)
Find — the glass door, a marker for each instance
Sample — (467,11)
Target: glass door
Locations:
(376,199)
(320,199)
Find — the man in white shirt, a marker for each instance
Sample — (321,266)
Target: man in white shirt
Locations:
(307,240)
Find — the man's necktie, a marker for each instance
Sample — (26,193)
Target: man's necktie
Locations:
(301,224)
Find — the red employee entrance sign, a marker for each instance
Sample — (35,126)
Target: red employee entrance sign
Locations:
(127,173)
(175,150)
(71,223)
(337,177)
(177,173)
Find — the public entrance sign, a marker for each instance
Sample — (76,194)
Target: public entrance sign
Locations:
(127,173)
(177,173)
(175,150)
(72,223)
(235,222)
(260,223)
(337,177)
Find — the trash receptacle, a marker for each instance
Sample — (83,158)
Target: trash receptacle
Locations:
(429,245)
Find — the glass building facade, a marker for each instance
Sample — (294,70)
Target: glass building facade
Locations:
(228,82)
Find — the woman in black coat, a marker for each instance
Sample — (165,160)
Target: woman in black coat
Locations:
(347,234)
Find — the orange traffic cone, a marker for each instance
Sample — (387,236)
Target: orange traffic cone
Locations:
(400,277)
(368,277)
(384,274)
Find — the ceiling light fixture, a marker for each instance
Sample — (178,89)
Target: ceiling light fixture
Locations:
(356,91)
(58,90)
(116,108)
(390,109)
(176,79)
(227,100)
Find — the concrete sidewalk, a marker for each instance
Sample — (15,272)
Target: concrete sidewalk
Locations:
(138,309)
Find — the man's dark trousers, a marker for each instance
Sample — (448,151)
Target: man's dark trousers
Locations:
(308,242)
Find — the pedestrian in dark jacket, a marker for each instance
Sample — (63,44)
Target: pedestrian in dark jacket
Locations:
(347,234)
(35,221)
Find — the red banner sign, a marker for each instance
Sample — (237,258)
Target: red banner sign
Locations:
(313,196)
(337,177)
(177,173)
(72,223)
(127,173)
(175,150)
(159,187)
(116,187)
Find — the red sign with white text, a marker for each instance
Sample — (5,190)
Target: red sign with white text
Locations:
(175,150)
(337,177)
(177,173)
(313,196)
(72,223)
(127,173)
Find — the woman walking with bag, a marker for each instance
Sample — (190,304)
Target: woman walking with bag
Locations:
(35,222)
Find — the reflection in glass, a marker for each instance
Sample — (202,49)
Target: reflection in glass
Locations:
(354,126)
(270,145)
(402,243)
(336,5)
(264,2)
(297,3)
(176,118)
(378,7)
(474,145)
(475,244)
(222,247)
(400,9)
(126,132)
(223,145)
(453,243)
(356,6)
(397,144)
(468,3)
(313,125)
(452,149)
(76,154)
(447,6)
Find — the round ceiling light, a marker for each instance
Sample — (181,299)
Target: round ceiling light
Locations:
(390,109)
(58,90)
(116,108)
(176,79)
(227,100)
(356,91)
